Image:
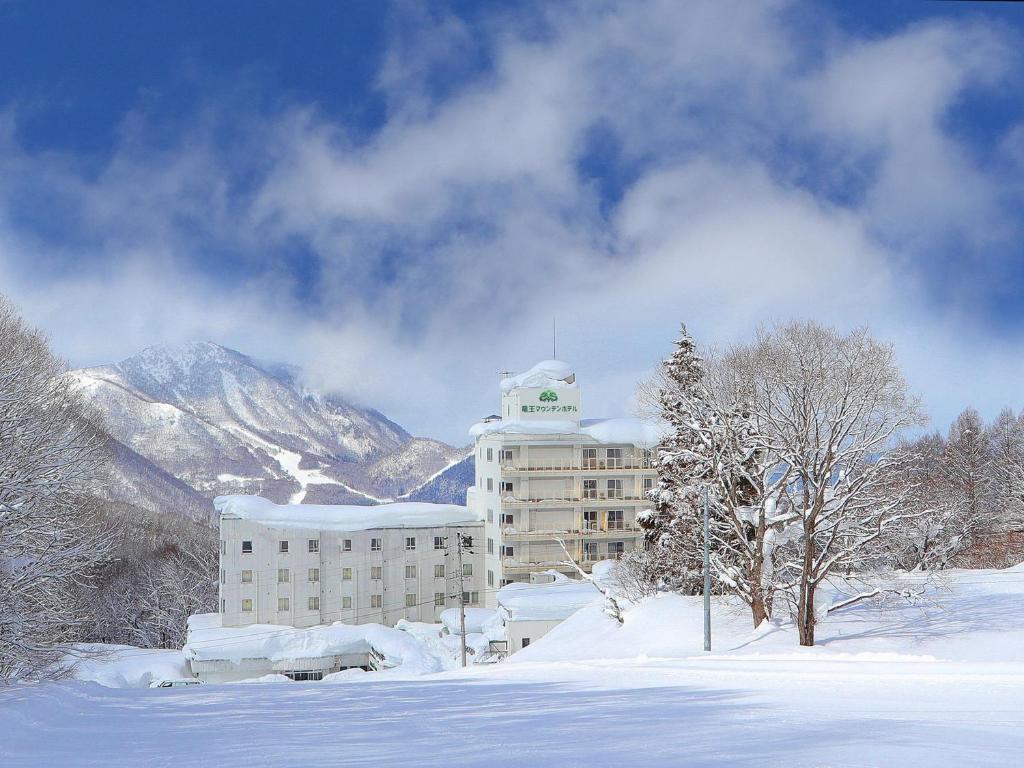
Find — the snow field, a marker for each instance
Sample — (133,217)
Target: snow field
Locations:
(939,683)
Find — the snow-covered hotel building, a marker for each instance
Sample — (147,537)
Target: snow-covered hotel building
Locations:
(543,474)
(302,565)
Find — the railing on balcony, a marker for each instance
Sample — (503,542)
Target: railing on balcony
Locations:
(576,465)
(587,530)
(574,497)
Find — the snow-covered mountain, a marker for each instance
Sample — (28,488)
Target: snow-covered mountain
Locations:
(217,421)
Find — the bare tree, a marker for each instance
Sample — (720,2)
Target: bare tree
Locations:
(829,407)
(1006,472)
(52,459)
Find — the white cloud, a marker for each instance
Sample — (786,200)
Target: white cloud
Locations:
(447,241)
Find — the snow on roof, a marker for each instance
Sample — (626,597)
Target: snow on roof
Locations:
(546,373)
(556,600)
(623,430)
(278,643)
(345,517)
(476,618)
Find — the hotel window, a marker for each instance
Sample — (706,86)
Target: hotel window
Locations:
(376,601)
(410,600)
(346,574)
(507,518)
(614,489)
(590,520)
(490,578)
(505,455)
(222,605)
(590,458)
(506,488)
(439,571)
(590,489)
(247,605)
(439,599)
(346,545)
(283,576)
(246,547)
(490,484)
(410,543)
(223,577)
(471,598)
(314,545)
(648,485)
(282,603)
(223,547)
(526,642)
(282,547)
(614,458)
(467,569)
(616,521)
(490,546)
(346,602)
(490,454)
(376,573)
(590,550)
(439,542)
(247,577)
(375,545)
(314,603)
(507,550)
(314,574)
(616,549)
(490,515)
(410,571)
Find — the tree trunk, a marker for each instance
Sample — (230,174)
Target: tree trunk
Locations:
(760,609)
(805,608)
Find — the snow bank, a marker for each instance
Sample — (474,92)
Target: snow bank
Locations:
(273,677)
(345,517)
(125,666)
(620,430)
(276,643)
(553,374)
(556,600)
(962,616)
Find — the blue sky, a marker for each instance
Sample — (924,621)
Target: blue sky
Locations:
(386,193)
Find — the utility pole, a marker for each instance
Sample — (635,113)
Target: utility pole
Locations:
(463,542)
(707,574)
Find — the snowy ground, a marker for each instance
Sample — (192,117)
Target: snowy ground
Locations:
(940,684)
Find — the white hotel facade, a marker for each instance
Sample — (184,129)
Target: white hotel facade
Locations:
(545,477)
(305,565)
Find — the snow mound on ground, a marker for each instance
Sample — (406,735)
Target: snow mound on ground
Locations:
(277,643)
(959,615)
(553,374)
(346,674)
(273,677)
(125,666)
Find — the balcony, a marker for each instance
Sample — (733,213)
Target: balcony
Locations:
(586,497)
(511,534)
(625,464)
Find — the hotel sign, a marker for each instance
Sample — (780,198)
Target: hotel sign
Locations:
(551,404)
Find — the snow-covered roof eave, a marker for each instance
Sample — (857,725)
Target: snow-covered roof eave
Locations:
(348,517)
(611,431)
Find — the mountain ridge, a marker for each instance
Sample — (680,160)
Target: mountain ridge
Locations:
(220,421)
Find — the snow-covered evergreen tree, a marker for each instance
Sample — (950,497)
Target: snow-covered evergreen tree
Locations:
(685,462)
